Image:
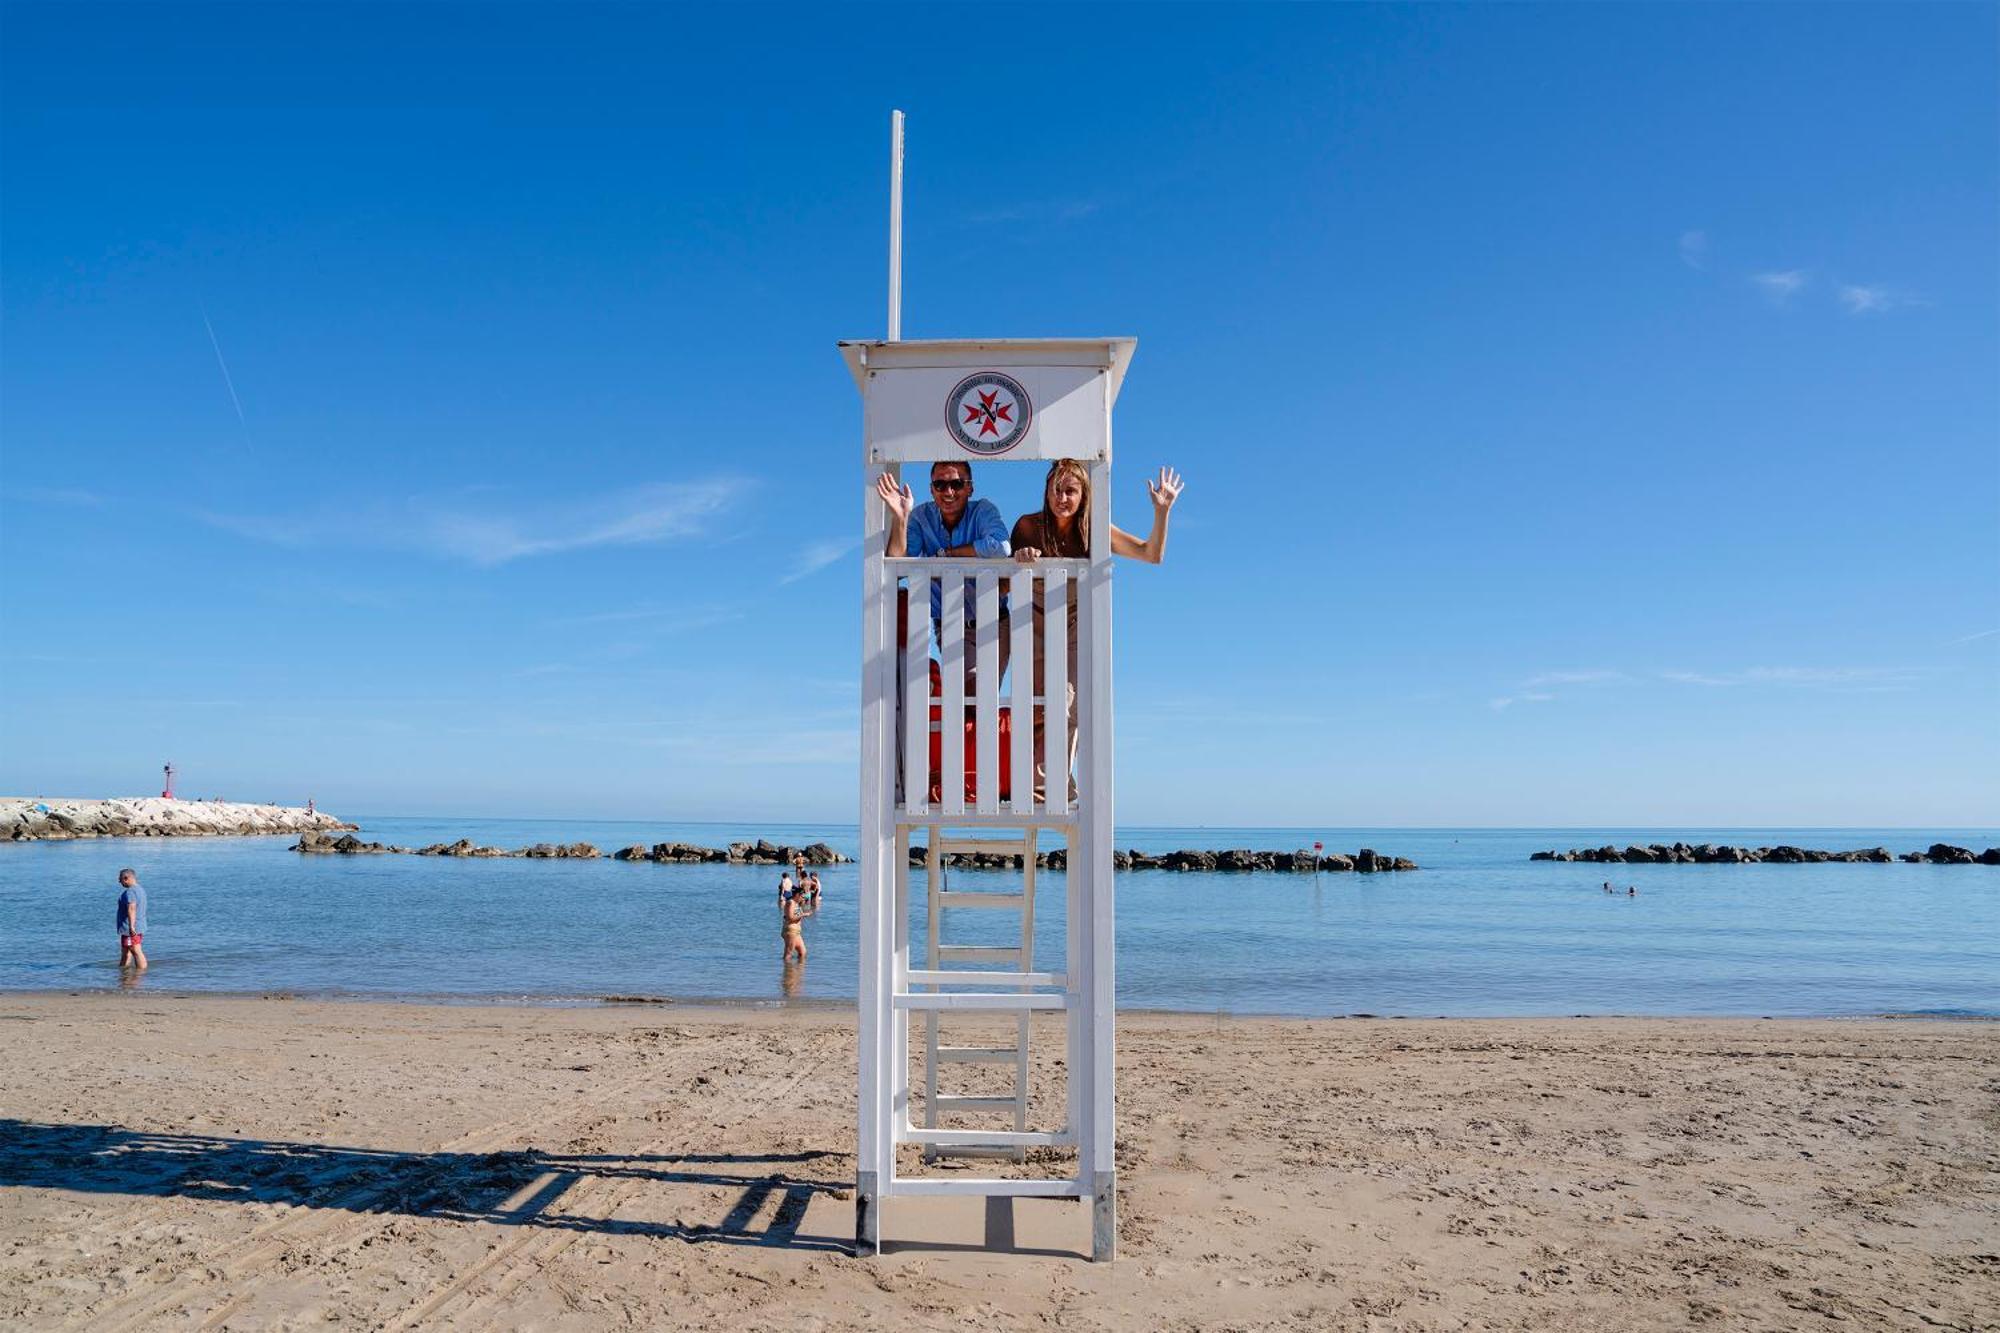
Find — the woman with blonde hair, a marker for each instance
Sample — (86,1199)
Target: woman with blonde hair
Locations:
(1061,531)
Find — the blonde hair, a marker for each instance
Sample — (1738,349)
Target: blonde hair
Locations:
(1066,467)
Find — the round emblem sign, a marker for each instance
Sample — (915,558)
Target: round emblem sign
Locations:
(988,413)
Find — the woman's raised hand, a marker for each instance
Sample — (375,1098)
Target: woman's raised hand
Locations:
(897,498)
(1026,555)
(1166,490)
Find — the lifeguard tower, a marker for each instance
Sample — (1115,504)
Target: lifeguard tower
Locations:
(948,766)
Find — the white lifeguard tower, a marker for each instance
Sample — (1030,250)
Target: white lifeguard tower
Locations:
(952,770)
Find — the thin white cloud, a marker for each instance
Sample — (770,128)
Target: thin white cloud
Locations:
(677,617)
(494,536)
(1971,638)
(1820,678)
(818,555)
(1781,286)
(1541,687)
(55,495)
(1864,299)
(1694,249)
(1586,676)
(227,382)
(1509,700)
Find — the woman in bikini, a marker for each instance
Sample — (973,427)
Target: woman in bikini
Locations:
(1061,530)
(791,930)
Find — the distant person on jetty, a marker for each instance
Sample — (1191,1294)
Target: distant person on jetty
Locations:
(950,523)
(1061,531)
(131,921)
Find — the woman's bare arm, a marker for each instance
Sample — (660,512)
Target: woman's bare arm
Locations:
(1164,492)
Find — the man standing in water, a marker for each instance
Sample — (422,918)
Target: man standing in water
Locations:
(131,921)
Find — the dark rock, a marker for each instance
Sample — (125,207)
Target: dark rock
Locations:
(1339,862)
(1944,854)
(1538,856)
(1989,857)
(1366,861)
(636,852)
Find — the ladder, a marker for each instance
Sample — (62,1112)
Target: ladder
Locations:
(1019,959)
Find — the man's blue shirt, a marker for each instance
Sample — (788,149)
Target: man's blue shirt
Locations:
(134,899)
(979,527)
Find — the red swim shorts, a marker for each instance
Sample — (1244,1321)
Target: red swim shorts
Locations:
(130,941)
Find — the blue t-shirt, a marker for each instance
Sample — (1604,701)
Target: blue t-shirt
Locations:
(979,527)
(134,898)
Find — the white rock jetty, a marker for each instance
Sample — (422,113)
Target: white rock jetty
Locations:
(35,818)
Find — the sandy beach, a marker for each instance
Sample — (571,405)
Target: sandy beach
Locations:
(258,1163)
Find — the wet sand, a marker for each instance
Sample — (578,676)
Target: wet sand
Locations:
(184,1162)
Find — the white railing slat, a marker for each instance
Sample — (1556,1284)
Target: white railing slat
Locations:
(951,663)
(917,695)
(1055,690)
(1022,650)
(986,726)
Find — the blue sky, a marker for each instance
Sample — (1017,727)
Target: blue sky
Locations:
(1589,413)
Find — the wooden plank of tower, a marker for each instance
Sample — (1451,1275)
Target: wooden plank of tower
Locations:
(1101,1004)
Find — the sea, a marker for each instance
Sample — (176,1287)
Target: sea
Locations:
(1479,930)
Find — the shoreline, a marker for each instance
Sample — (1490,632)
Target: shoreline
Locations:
(276,1164)
(143,989)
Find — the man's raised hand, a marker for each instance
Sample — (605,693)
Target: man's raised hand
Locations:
(1166,490)
(897,499)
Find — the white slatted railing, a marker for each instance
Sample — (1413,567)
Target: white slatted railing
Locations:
(975,590)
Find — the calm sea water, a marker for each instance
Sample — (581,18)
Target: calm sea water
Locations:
(1480,930)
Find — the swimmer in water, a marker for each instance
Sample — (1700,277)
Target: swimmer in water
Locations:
(791,930)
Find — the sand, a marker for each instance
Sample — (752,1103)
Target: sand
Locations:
(183,1162)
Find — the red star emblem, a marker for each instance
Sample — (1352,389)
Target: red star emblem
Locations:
(989,412)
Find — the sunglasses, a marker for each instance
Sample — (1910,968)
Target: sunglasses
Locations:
(949,484)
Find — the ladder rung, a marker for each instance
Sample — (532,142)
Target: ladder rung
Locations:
(978,1054)
(995,1154)
(978,953)
(950,1102)
(980,1000)
(1043,1189)
(992,1138)
(926,977)
(1009,900)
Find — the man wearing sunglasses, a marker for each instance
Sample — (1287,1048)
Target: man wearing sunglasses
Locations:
(950,523)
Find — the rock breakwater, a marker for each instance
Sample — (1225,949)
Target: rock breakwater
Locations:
(1680,853)
(761,852)
(1366,861)
(767,853)
(41,819)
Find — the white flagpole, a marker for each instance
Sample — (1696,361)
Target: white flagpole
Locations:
(895,226)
